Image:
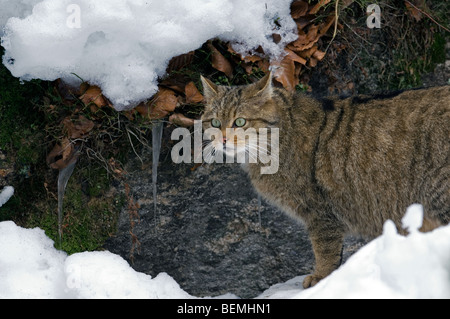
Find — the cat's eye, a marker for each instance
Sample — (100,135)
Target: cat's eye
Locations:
(215,123)
(240,122)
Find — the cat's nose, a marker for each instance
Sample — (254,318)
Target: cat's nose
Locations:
(224,140)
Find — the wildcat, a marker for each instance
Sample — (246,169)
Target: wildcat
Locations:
(345,165)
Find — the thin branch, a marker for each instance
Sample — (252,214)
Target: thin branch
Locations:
(429,16)
(336,18)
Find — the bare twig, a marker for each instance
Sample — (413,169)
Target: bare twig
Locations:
(132,146)
(429,16)
(336,18)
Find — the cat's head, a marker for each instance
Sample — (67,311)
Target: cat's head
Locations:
(240,108)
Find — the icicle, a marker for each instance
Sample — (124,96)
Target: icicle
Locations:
(157,131)
(63,178)
(259,210)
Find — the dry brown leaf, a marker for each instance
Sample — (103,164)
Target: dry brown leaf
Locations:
(276,38)
(181,120)
(326,25)
(129,114)
(264,65)
(305,40)
(413,9)
(175,82)
(294,57)
(78,127)
(5,172)
(319,5)
(181,61)
(193,95)
(219,62)
(312,62)
(285,72)
(143,109)
(61,155)
(302,22)
(302,39)
(308,53)
(319,55)
(165,99)
(164,102)
(247,61)
(94,95)
(299,8)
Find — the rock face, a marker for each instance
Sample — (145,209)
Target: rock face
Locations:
(207,233)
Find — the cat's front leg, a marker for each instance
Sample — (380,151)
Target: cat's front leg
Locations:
(327,240)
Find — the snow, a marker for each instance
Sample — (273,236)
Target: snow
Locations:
(391,266)
(6,194)
(30,267)
(124,46)
(16,8)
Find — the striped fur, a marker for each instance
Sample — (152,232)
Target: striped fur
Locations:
(347,165)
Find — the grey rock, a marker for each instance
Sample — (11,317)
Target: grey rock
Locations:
(207,233)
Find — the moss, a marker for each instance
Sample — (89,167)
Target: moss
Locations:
(437,51)
(21,125)
(87,221)
(30,116)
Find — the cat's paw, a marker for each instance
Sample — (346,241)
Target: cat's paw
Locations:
(311,280)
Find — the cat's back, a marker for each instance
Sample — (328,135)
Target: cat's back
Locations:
(378,154)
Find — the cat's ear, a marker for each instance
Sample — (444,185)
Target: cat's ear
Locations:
(264,87)
(209,88)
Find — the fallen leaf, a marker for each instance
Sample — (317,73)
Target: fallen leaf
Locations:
(305,40)
(162,103)
(94,95)
(78,127)
(327,24)
(319,5)
(312,62)
(5,172)
(319,55)
(143,109)
(181,61)
(62,155)
(414,10)
(308,53)
(276,38)
(129,114)
(286,72)
(219,62)
(302,22)
(294,57)
(299,8)
(165,99)
(193,95)
(264,65)
(176,82)
(181,120)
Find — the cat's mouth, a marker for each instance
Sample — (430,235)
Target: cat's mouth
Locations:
(228,149)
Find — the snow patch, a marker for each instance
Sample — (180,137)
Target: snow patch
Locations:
(124,46)
(391,266)
(394,266)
